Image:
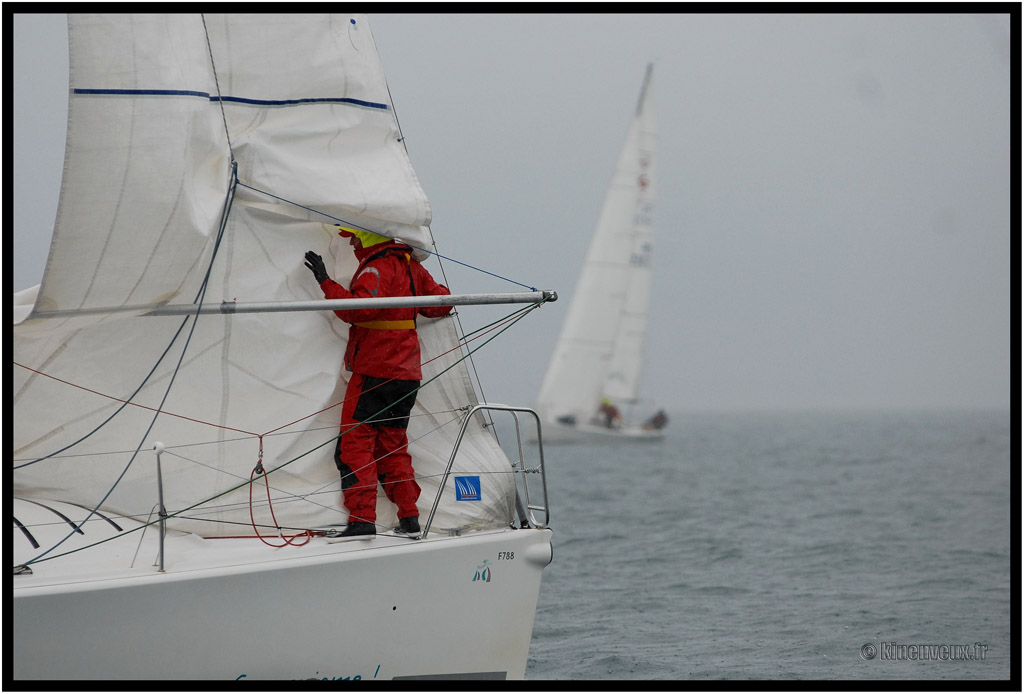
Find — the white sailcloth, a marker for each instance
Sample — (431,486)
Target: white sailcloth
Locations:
(600,349)
(161,107)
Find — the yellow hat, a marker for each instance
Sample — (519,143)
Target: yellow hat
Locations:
(368,238)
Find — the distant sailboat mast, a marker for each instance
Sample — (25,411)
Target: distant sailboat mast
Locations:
(627,361)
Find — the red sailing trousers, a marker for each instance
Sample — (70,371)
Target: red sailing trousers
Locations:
(373,446)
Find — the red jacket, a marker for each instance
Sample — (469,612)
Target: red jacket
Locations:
(383,342)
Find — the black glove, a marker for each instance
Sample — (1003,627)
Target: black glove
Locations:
(316,265)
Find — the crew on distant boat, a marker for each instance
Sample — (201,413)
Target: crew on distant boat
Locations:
(383,355)
(658,421)
(612,417)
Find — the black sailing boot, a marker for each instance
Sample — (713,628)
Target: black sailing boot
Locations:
(355,531)
(409,527)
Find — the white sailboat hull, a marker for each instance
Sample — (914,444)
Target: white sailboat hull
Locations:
(386,608)
(555,432)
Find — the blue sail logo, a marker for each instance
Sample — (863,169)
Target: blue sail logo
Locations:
(467,488)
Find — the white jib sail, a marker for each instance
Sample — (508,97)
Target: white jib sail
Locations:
(600,349)
(158,106)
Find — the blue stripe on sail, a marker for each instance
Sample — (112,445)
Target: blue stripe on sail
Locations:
(233,99)
(289,102)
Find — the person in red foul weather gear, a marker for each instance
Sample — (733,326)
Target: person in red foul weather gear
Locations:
(610,412)
(383,355)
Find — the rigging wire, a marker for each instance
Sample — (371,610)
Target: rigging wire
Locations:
(169,450)
(361,228)
(124,403)
(464,340)
(305,497)
(127,402)
(433,251)
(522,313)
(235,182)
(216,82)
(198,300)
(374,418)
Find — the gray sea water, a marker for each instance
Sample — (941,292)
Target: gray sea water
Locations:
(867,546)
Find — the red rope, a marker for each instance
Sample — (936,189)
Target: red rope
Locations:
(258,470)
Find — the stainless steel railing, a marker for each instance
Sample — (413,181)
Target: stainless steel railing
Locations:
(525,506)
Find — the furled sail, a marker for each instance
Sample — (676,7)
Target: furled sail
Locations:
(600,349)
(163,110)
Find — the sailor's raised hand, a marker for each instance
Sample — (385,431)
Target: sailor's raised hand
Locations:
(316,265)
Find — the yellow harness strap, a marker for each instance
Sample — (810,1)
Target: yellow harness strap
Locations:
(388,325)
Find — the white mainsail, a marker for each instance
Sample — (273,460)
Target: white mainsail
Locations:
(162,109)
(600,349)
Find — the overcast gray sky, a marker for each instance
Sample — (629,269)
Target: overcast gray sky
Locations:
(833,190)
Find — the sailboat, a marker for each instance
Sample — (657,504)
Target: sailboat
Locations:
(592,384)
(178,382)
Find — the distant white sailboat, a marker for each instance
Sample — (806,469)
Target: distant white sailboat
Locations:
(598,359)
(172,469)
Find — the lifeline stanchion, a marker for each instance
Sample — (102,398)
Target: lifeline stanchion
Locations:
(159,448)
